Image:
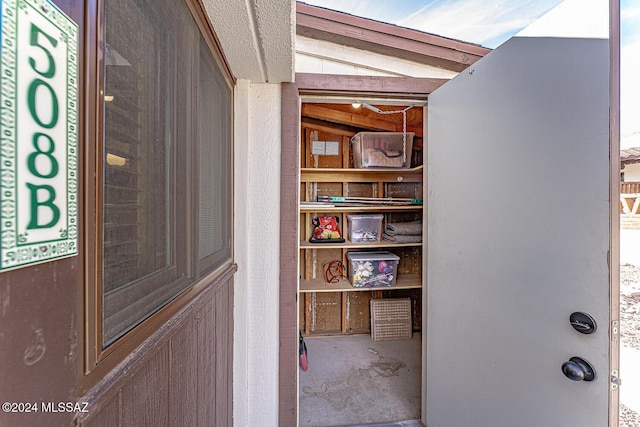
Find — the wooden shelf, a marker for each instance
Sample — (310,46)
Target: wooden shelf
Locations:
(351,245)
(340,308)
(365,208)
(361,175)
(412,281)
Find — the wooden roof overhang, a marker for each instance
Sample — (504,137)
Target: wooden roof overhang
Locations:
(372,86)
(387,39)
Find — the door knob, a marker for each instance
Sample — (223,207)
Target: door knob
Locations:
(578,369)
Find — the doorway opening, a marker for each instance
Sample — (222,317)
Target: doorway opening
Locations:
(629,287)
(360,294)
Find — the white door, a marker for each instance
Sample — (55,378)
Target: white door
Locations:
(518,238)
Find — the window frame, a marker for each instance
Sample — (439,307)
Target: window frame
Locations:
(96,361)
(206,262)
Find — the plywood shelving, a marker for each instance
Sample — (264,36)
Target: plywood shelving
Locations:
(339,308)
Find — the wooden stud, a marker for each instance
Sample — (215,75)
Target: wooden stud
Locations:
(346,144)
(345,311)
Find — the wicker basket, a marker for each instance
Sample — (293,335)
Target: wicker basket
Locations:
(391,319)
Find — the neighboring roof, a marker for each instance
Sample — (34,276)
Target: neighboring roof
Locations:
(384,38)
(630,156)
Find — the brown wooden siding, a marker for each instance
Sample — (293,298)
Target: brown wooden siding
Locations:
(182,375)
(38,339)
(288,383)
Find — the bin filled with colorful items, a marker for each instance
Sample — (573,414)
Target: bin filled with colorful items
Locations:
(365,228)
(372,269)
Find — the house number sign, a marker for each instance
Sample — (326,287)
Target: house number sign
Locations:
(38,134)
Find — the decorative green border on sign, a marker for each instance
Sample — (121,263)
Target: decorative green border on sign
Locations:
(21,249)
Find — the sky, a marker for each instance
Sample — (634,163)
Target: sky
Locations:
(492,22)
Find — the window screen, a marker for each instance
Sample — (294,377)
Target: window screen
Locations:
(166,164)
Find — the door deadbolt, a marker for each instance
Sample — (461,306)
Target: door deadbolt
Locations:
(582,322)
(578,369)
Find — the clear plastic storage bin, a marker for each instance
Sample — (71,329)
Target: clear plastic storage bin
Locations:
(364,228)
(382,149)
(372,269)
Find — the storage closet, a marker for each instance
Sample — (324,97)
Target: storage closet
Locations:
(360,169)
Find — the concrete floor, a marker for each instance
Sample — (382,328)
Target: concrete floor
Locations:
(630,374)
(630,357)
(353,380)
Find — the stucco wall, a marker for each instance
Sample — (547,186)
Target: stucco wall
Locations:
(257,227)
(632,172)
